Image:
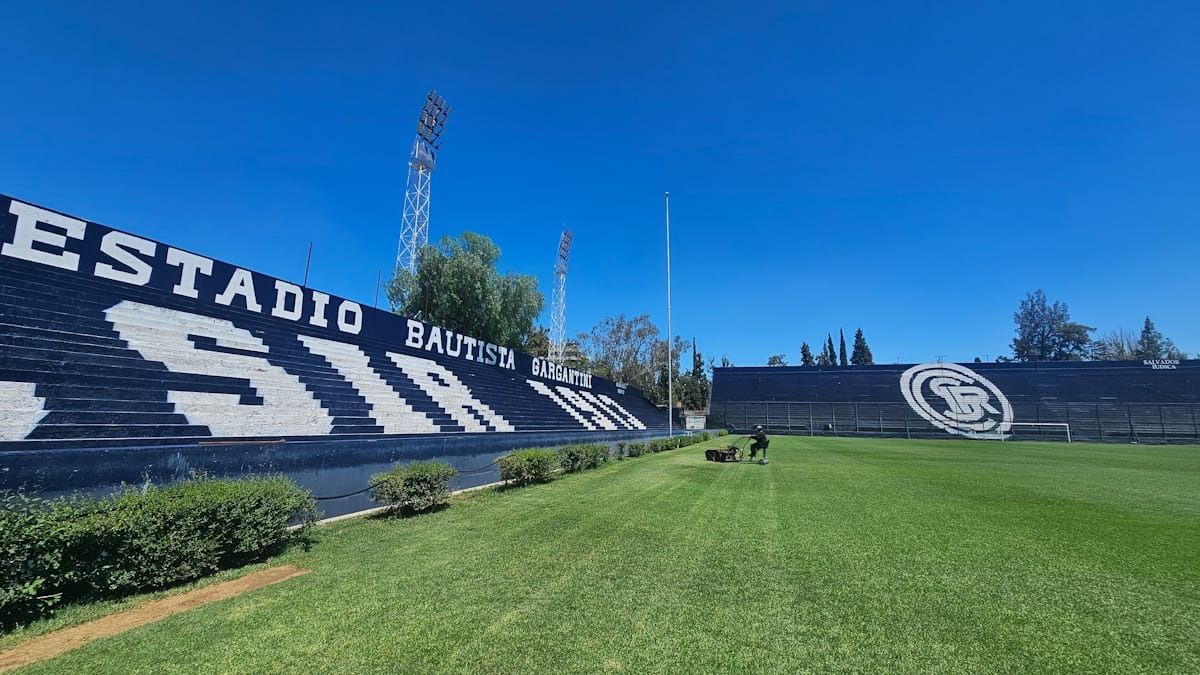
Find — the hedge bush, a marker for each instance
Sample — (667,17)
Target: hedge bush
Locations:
(415,487)
(31,561)
(636,449)
(531,465)
(139,539)
(585,456)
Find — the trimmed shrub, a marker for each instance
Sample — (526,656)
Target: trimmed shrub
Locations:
(532,465)
(585,456)
(32,559)
(703,436)
(82,548)
(415,487)
(722,432)
(636,449)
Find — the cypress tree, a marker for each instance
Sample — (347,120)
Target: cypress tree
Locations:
(861,356)
(842,347)
(830,353)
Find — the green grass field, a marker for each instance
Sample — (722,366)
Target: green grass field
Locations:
(841,555)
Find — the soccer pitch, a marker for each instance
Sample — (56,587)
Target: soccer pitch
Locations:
(842,554)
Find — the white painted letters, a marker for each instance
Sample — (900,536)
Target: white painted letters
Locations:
(189,264)
(286,294)
(120,247)
(27,233)
(241,283)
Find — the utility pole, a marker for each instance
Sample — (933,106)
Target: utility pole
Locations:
(670,360)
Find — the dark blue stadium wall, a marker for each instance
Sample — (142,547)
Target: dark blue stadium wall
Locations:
(1123,401)
(114,345)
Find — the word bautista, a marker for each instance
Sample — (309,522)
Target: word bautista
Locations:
(447,342)
(41,236)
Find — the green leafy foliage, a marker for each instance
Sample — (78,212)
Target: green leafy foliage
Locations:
(579,457)
(30,559)
(456,286)
(531,465)
(806,356)
(415,487)
(82,548)
(1045,331)
(861,355)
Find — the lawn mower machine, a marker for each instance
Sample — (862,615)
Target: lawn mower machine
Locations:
(731,453)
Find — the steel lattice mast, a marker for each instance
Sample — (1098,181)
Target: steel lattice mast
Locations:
(421,161)
(558,313)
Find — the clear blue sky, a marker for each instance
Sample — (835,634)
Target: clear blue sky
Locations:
(913,169)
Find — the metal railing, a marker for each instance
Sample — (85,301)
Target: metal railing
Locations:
(1101,422)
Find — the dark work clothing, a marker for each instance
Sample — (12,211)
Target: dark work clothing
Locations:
(760,443)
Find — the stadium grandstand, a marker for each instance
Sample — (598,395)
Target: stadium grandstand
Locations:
(1151,401)
(123,358)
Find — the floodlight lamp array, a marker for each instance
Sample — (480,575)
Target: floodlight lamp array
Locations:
(564,250)
(433,119)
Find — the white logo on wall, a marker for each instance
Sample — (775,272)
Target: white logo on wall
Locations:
(957,399)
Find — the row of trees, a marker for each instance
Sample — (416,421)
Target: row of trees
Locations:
(860,355)
(631,350)
(1045,332)
(457,285)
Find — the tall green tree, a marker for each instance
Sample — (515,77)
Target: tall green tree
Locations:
(842,347)
(456,286)
(776,360)
(806,355)
(1045,332)
(1150,342)
(861,356)
(624,349)
(1152,345)
(830,354)
(694,386)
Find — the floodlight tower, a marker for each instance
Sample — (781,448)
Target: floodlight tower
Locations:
(415,232)
(558,312)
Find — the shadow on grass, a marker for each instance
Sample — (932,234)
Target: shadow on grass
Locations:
(403,512)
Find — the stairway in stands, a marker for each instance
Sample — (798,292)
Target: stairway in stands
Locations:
(69,338)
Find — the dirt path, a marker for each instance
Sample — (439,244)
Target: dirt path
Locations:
(52,644)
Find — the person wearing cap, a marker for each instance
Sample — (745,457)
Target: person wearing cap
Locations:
(760,442)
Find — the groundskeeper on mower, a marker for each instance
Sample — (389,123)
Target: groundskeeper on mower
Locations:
(731,453)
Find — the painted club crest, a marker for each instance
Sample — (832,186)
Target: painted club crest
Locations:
(957,399)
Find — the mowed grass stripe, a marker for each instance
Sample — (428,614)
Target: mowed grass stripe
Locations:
(842,554)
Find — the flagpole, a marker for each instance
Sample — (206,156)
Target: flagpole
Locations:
(670,359)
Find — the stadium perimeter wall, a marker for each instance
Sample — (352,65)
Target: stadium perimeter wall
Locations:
(124,359)
(1108,401)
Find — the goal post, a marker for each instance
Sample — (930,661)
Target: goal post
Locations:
(1064,425)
